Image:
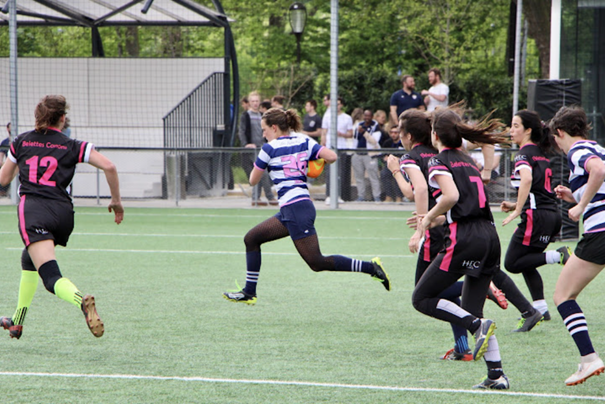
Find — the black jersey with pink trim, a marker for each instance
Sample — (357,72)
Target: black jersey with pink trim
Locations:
(47,162)
(541,196)
(473,202)
(418,158)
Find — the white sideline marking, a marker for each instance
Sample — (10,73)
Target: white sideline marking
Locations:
(259,216)
(199,252)
(239,236)
(298,383)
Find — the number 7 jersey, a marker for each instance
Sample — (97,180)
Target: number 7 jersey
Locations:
(47,162)
(472,202)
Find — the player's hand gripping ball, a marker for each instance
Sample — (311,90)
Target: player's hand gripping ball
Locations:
(315,168)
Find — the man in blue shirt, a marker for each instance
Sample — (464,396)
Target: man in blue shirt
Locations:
(405,99)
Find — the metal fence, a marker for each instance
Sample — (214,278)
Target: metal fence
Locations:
(189,173)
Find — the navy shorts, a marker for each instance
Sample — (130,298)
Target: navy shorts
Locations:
(299,219)
(45,219)
(590,248)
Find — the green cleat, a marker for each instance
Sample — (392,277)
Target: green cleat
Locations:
(482,335)
(565,252)
(240,297)
(380,274)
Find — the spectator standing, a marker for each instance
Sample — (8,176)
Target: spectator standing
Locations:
(438,94)
(405,99)
(390,189)
(264,106)
(367,136)
(251,137)
(278,102)
(344,131)
(312,121)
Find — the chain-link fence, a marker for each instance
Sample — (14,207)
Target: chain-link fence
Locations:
(177,174)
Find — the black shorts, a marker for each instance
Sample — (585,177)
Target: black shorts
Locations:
(590,248)
(433,243)
(471,248)
(537,228)
(45,219)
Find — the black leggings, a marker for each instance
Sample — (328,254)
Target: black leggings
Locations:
(308,247)
(435,281)
(525,259)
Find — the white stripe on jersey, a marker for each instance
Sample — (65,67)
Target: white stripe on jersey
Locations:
(532,200)
(580,151)
(89,149)
(11,157)
(432,181)
(286,169)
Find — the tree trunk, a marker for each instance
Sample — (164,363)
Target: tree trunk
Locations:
(132,41)
(537,13)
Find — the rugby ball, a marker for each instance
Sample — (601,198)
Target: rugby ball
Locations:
(315,168)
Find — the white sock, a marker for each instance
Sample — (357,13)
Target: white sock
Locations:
(493,350)
(540,305)
(553,257)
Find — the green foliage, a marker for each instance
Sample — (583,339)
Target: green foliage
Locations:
(378,41)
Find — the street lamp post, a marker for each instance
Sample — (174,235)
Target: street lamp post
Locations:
(298,18)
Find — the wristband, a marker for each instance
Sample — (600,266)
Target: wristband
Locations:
(395,172)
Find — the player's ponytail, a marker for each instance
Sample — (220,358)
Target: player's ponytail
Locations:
(451,129)
(49,111)
(540,133)
(293,120)
(286,121)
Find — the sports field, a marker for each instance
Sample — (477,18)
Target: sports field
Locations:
(311,338)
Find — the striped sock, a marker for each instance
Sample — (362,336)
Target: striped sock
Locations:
(346,264)
(574,320)
(253,261)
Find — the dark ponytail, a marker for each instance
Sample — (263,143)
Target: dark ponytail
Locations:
(540,133)
(451,129)
(286,121)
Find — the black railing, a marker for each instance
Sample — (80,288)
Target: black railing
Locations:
(199,119)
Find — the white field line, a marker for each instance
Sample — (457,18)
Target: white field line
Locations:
(395,217)
(298,383)
(241,252)
(238,236)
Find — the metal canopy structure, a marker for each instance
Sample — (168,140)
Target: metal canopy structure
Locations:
(94,14)
(105,13)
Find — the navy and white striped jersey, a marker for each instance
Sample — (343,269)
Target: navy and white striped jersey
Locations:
(541,196)
(472,202)
(286,160)
(47,162)
(577,157)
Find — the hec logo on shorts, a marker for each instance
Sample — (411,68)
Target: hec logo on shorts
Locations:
(41,231)
(471,264)
(545,239)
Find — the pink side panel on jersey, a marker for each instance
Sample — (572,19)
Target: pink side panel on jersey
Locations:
(427,246)
(22,222)
(81,156)
(529,227)
(449,252)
